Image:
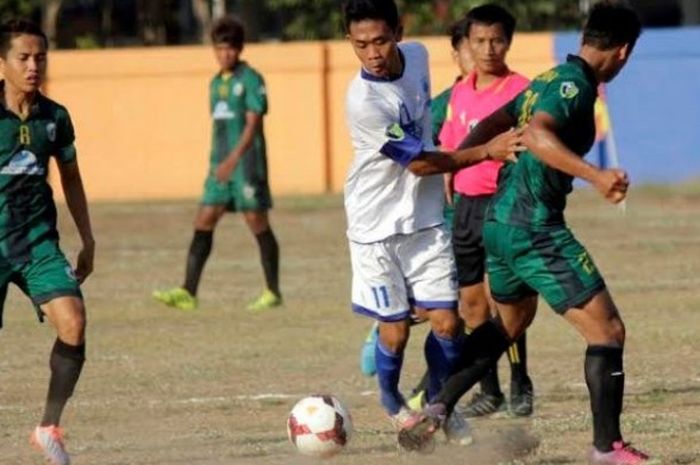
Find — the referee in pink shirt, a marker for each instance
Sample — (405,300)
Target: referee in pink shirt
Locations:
(489,86)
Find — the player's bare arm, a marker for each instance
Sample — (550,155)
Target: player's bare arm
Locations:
(498,122)
(541,138)
(74,193)
(226,167)
(502,147)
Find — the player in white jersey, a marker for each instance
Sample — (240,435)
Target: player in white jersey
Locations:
(401,255)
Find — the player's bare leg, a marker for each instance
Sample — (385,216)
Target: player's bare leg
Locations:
(259,225)
(67,314)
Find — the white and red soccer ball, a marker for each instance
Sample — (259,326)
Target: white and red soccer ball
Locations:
(319,426)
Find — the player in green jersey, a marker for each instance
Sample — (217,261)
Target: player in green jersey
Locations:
(530,249)
(33,129)
(237,179)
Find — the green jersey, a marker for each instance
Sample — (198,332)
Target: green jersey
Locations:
(438,111)
(27,210)
(232,95)
(531,194)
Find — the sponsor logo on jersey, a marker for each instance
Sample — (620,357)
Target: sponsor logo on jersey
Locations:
(395,132)
(568,90)
(51,131)
(238,89)
(547,76)
(23,162)
(222,111)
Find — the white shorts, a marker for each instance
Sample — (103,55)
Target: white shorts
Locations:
(392,276)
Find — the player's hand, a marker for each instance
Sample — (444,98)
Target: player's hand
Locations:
(612,184)
(86,260)
(449,188)
(506,146)
(224,169)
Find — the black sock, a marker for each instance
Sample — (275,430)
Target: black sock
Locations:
(422,384)
(517,356)
(270,258)
(66,362)
(606,385)
(490,383)
(196,258)
(481,351)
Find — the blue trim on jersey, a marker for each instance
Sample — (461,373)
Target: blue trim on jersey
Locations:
(387,319)
(403,151)
(371,77)
(435,304)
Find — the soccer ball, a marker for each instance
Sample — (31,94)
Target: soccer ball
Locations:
(319,426)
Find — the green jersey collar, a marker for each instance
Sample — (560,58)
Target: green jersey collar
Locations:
(34,110)
(585,67)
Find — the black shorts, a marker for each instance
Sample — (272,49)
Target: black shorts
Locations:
(467,239)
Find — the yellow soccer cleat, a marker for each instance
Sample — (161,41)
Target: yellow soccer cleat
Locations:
(176,297)
(266,301)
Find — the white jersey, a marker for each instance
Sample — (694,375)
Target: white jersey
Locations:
(390,125)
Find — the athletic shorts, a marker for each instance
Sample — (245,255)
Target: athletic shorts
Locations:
(390,277)
(46,276)
(237,195)
(467,239)
(551,263)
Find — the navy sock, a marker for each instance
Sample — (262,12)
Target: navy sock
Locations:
(440,355)
(388,374)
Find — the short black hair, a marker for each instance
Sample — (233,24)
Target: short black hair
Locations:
(228,30)
(492,14)
(611,23)
(458,31)
(359,10)
(15,27)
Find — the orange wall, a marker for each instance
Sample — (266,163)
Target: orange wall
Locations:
(142,125)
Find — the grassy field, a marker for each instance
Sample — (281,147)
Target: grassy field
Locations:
(214,387)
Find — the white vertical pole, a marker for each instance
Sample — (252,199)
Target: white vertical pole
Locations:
(218,8)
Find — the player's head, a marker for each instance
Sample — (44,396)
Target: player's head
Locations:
(23,48)
(461,54)
(489,33)
(228,37)
(374,30)
(612,27)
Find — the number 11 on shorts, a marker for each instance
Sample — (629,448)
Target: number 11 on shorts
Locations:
(381,296)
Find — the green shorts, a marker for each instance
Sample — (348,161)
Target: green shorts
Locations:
(237,195)
(551,263)
(43,278)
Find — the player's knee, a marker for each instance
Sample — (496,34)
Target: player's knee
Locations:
(446,327)
(474,310)
(618,331)
(71,328)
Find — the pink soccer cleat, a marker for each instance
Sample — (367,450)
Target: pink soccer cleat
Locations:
(622,454)
(49,441)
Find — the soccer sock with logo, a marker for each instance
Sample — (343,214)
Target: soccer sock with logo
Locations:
(480,351)
(517,355)
(200,248)
(441,355)
(388,374)
(270,258)
(66,362)
(606,385)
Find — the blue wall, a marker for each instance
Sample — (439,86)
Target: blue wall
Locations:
(655,105)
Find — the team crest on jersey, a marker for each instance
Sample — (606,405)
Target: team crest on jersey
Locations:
(222,111)
(568,90)
(248,191)
(23,162)
(262,90)
(238,89)
(70,273)
(51,131)
(395,132)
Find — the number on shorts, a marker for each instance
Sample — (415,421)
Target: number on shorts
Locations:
(381,296)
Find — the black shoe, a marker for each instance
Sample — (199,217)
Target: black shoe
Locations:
(522,400)
(483,404)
